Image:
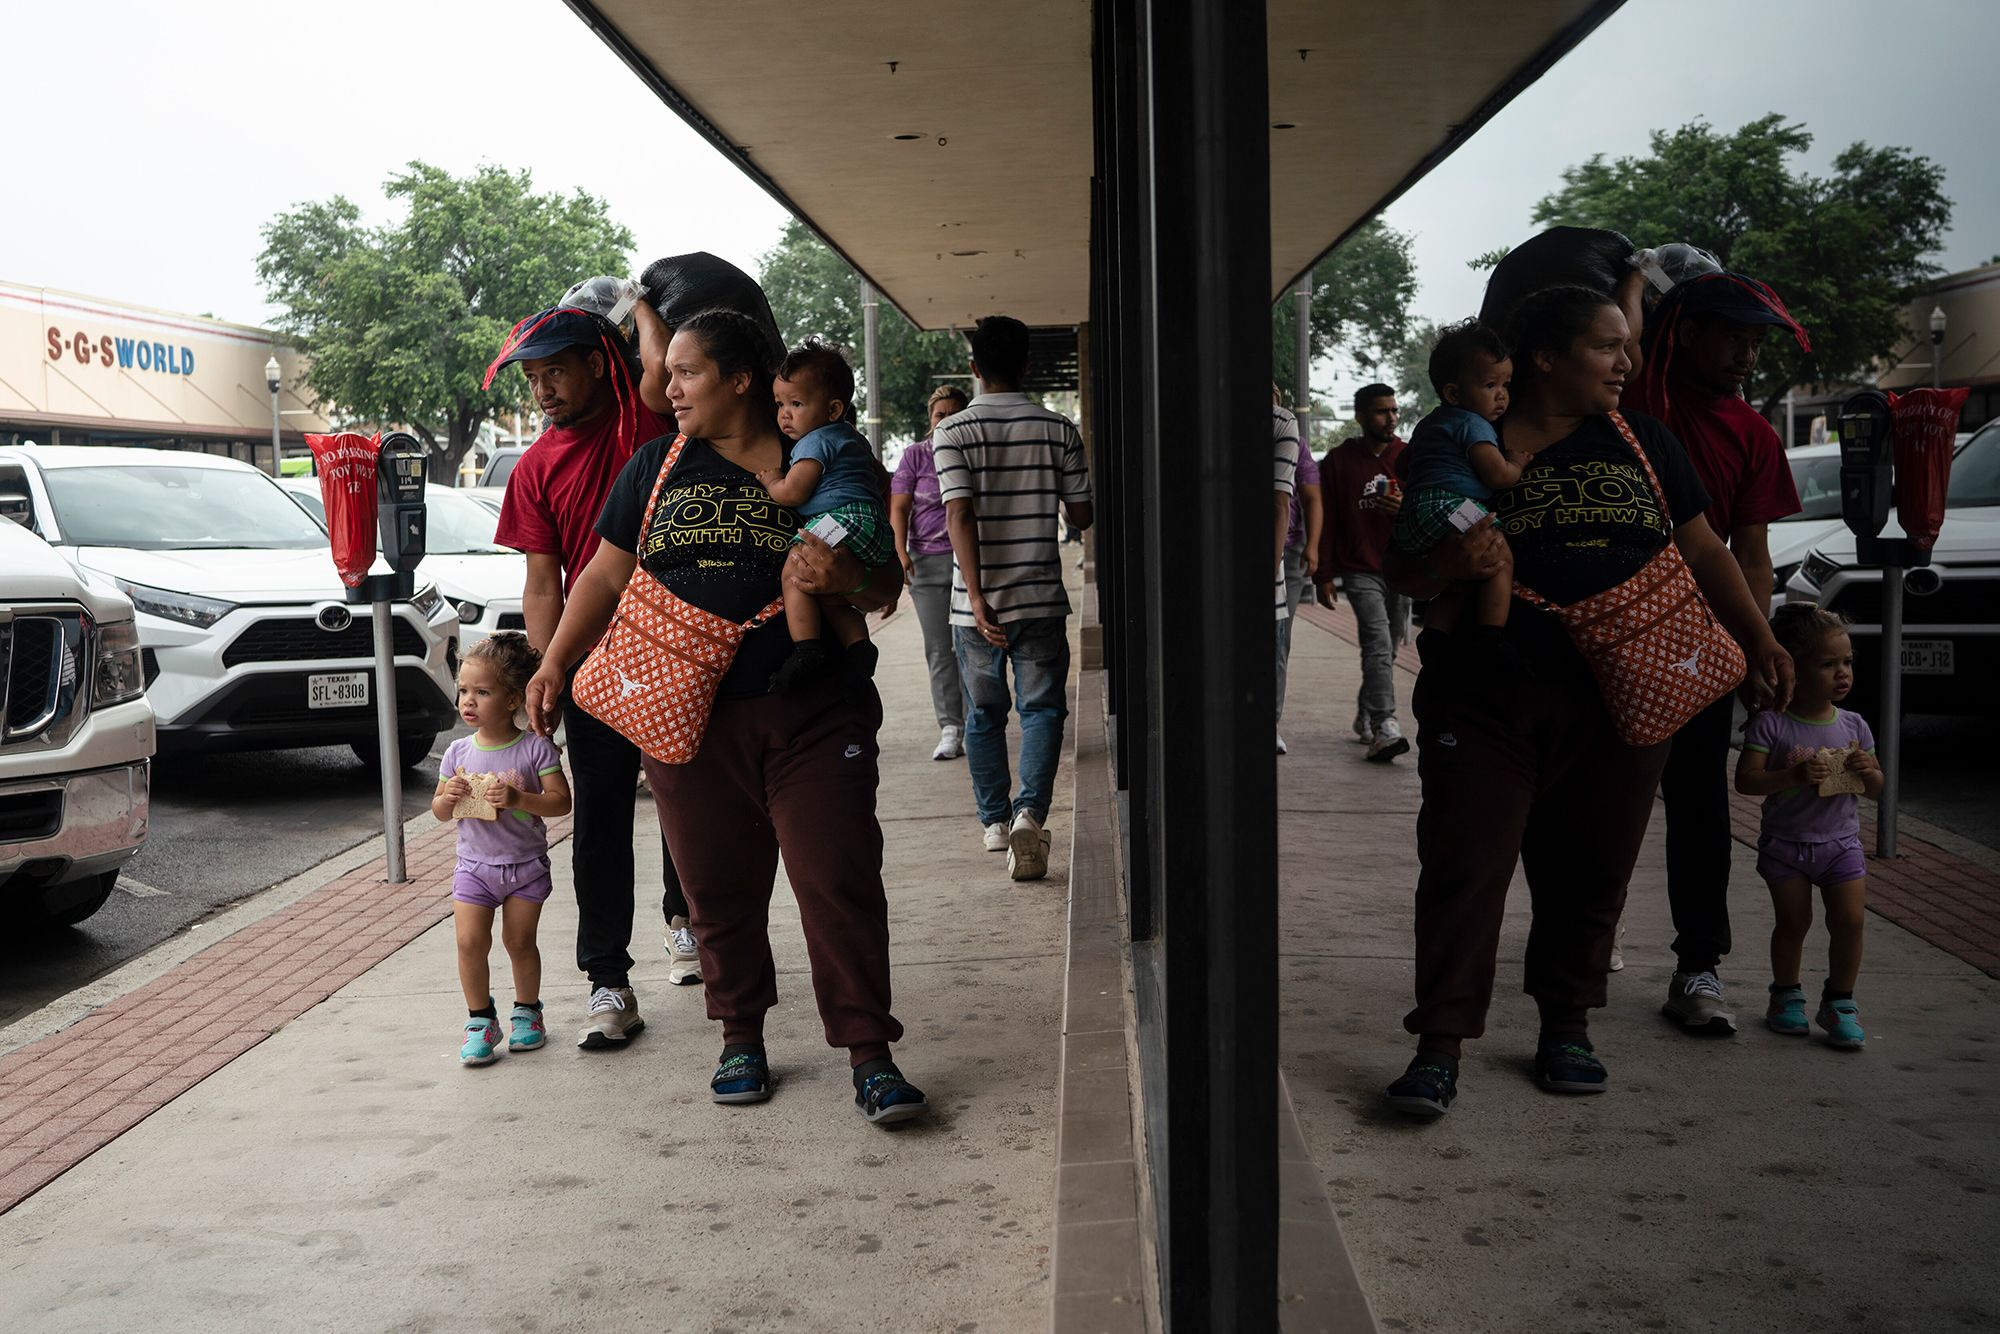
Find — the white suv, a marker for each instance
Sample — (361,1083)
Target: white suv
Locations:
(248,642)
(76,736)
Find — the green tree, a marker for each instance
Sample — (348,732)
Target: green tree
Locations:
(812,290)
(1844,250)
(1410,369)
(400,321)
(1361,294)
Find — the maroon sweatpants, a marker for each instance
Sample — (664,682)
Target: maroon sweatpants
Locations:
(1546,782)
(792,774)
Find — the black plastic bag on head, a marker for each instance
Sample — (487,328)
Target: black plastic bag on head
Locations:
(683,285)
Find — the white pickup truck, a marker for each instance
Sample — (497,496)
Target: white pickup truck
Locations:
(76,734)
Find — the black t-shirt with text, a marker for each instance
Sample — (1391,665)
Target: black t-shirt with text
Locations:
(1583,519)
(717,539)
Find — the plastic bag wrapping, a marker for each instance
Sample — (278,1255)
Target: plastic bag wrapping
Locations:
(1669,265)
(1926,432)
(346,466)
(611,299)
(683,285)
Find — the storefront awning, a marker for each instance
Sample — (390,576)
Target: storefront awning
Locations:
(945,149)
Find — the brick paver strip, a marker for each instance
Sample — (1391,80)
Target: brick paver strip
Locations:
(69,1094)
(1930,892)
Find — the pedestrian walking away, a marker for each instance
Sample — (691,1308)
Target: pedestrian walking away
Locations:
(1810,763)
(923,547)
(792,773)
(500,784)
(1361,495)
(1538,772)
(1285,452)
(1003,465)
(1302,539)
(1701,344)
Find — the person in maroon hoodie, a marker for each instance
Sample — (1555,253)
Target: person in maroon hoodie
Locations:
(1701,345)
(1359,497)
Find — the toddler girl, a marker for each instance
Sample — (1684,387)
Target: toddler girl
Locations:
(504,860)
(833,473)
(1455,456)
(1808,839)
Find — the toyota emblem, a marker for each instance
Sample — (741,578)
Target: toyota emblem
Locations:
(335,619)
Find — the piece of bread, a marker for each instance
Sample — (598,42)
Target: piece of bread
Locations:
(1843,781)
(474,805)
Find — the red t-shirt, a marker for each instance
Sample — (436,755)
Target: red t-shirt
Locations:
(557,490)
(1356,530)
(1736,453)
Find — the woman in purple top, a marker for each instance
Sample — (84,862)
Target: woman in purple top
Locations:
(916,513)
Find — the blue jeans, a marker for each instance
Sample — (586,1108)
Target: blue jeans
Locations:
(1039,651)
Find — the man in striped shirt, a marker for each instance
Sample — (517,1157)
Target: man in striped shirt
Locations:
(1003,464)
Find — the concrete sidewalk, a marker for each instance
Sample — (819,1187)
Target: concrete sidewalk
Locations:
(346,1174)
(1753,1183)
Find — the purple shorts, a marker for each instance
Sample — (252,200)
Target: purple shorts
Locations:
(1823,864)
(489,883)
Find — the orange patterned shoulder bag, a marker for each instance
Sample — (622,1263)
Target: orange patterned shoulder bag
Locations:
(1657,651)
(653,676)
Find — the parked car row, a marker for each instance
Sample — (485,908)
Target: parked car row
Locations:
(1951,611)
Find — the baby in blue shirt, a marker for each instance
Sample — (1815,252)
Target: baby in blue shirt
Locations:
(1455,456)
(832,474)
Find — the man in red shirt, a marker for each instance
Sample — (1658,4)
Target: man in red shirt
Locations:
(1359,497)
(1702,344)
(585,383)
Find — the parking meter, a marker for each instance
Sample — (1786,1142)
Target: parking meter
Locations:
(1866,443)
(399,475)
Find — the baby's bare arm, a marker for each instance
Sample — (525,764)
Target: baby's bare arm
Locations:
(794,485)
(1492,467)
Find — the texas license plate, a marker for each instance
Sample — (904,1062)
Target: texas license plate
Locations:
(337,690)
(1927,657)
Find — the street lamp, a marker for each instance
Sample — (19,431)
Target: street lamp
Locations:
(274,377)
(1937,345)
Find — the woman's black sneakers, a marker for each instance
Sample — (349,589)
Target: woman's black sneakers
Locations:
(1427,1087)
(1569,1067)
(883,1096)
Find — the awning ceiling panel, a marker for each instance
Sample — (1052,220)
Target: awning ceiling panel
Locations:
(947,153)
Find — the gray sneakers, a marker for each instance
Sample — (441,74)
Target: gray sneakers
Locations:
(683,960)
(614,1017)
(1389,742)
(1694,1001)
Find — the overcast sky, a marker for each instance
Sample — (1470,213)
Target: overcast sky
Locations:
(152,141)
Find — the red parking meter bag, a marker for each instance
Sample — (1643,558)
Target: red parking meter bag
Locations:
(346,467)
(1926,435)
(653,676)
(1657,651)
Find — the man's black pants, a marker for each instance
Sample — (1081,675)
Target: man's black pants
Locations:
(1695,785)
(604,772)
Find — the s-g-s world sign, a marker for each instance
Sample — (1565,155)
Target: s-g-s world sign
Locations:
(125,353)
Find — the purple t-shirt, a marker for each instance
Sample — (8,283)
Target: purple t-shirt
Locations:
(1308,475)
(1801,814)
(916,477)
(516,836)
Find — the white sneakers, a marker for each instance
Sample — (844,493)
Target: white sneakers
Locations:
(1282,748)
(1388,743)
(1618,948)
(1694,1001)
(683,961)
(1363,733)
(1027,848)
(951,744)
(996,836)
